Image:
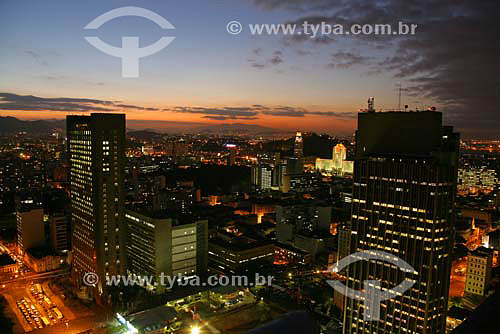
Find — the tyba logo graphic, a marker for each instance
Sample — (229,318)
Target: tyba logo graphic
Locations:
(372,293)
(130,52)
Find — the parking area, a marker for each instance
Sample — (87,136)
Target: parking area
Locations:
(35,307)
(50,309)
(30,314)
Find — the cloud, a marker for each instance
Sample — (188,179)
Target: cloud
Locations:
(258,65)
(252,112)
(226,118)
(10,101)
(130,106)
(276,60)
(14,102)
(346,60)
(452,59)
(227,112)
(284,111)
(259,61)
(257,51)
(37,57)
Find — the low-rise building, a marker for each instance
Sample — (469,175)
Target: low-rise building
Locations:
(42,259)
(7,264)
(478,274)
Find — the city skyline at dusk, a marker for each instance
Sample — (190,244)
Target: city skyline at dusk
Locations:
(249,167)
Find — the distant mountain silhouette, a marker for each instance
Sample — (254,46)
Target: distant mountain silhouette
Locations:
(140,128)
(236,128)
(189,128)
(144,134)
(13,125)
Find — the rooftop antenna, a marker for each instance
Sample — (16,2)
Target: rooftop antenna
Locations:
(399,101)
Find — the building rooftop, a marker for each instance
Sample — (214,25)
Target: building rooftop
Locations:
(40,252)
(291,248)
(458,313)
(235,243)
(177,217)
(403,134)
(482,251)
(152,318)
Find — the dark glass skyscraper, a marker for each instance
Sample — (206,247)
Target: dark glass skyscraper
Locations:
(403,192)
(96,153)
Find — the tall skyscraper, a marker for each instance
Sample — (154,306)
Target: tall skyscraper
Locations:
(96,153)
(232,154)
(339,155)
(403,192)
(298,150)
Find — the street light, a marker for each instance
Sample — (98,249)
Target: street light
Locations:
(195,330)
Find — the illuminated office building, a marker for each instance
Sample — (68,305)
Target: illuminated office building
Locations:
(232,154)
(262,176)
(472,179)
(231,254)
(403,192)
(339,155)
(298,150)
(96,153)
(295,164)
(158,244)
(30,229)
